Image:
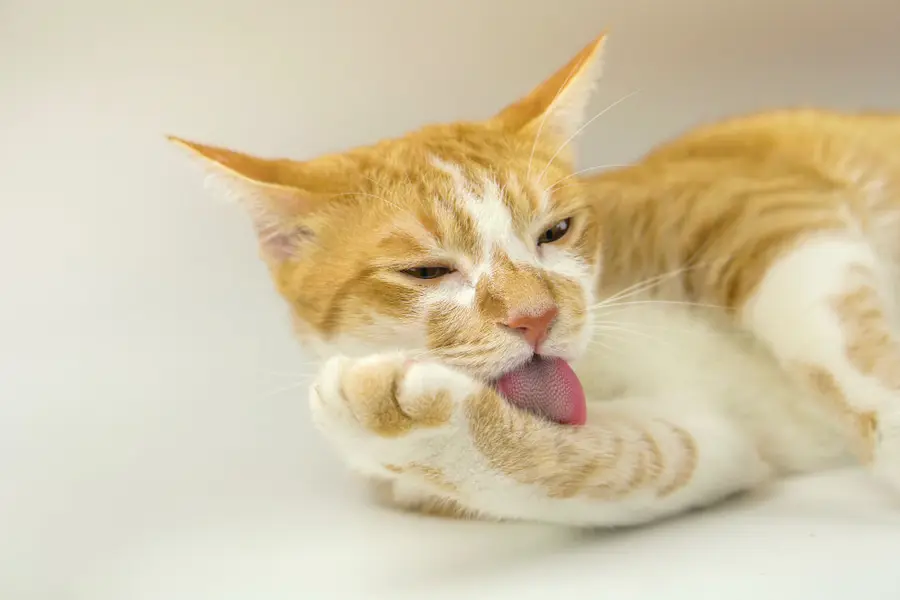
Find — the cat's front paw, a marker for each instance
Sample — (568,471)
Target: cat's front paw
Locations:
(384,413)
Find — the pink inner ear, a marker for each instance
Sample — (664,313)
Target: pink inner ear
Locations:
(282,243)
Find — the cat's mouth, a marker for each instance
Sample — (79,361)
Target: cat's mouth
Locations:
(547,386)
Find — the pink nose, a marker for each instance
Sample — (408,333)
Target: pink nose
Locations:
(533,327)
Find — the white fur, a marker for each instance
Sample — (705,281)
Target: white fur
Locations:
(370,453)
(792,312)
(792,309)
(694,360)
(562,262)
(333,417)
(457,290)
(382,334)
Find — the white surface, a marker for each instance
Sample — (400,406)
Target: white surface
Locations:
(143,453)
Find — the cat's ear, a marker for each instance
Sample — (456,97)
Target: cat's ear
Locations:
(559,103)
(261,186)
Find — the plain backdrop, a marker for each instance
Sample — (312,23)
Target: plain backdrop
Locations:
(154,438)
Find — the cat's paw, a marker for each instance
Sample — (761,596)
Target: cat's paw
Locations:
(384,413)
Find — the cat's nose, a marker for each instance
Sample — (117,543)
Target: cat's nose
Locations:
(533,328)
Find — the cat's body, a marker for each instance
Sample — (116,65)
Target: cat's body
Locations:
(669,216)
(728,304)
(683,360)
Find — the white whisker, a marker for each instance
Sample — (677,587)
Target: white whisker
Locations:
(556,185)
(312,363)
(641,286)
(296,385)
(617,352)
(664,326)
(582,128)
(635,332)
(544,119)
(628,303)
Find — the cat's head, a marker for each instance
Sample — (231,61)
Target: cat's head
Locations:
(469,240)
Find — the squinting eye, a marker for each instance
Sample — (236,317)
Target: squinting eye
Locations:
(428,272)
(556,232)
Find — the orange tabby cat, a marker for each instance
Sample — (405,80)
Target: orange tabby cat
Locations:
(728,305)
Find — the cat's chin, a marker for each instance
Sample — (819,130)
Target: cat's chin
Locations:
(547,386)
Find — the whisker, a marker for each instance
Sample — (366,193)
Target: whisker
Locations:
(627,303)
(617,352)
(635,332)
(296,385)
(556,185)
(640,286)
(372,179)
(409,183)
(381,188)
(650,282)
(582,128)
(544,119)
(664,326)
(610,344)
(311,363)
(480,349)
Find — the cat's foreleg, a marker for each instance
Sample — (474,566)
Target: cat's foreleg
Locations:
(431,428)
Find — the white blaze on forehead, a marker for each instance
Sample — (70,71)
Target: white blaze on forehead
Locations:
(494,223)
(491,216)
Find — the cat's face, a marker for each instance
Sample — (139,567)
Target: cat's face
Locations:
(468,241)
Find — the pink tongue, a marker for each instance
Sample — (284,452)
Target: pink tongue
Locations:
(548,387)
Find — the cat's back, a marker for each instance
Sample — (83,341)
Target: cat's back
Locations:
(837,145)
(732,193)
(805,147)
(690,230)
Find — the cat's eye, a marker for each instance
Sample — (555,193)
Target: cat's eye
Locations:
(555,233)
(428,272)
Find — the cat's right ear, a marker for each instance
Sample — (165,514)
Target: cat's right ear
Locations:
(558,104)
(261,186)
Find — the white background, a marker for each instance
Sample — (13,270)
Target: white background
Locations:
(144,451)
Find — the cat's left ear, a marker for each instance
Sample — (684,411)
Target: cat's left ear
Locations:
(265,188)
(559,103)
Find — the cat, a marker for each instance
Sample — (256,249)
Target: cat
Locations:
(727,302)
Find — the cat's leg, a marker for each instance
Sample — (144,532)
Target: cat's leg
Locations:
(429,427)
(409,495)
(822,307)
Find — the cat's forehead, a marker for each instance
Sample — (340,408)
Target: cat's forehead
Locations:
(471,210)
(493,195)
